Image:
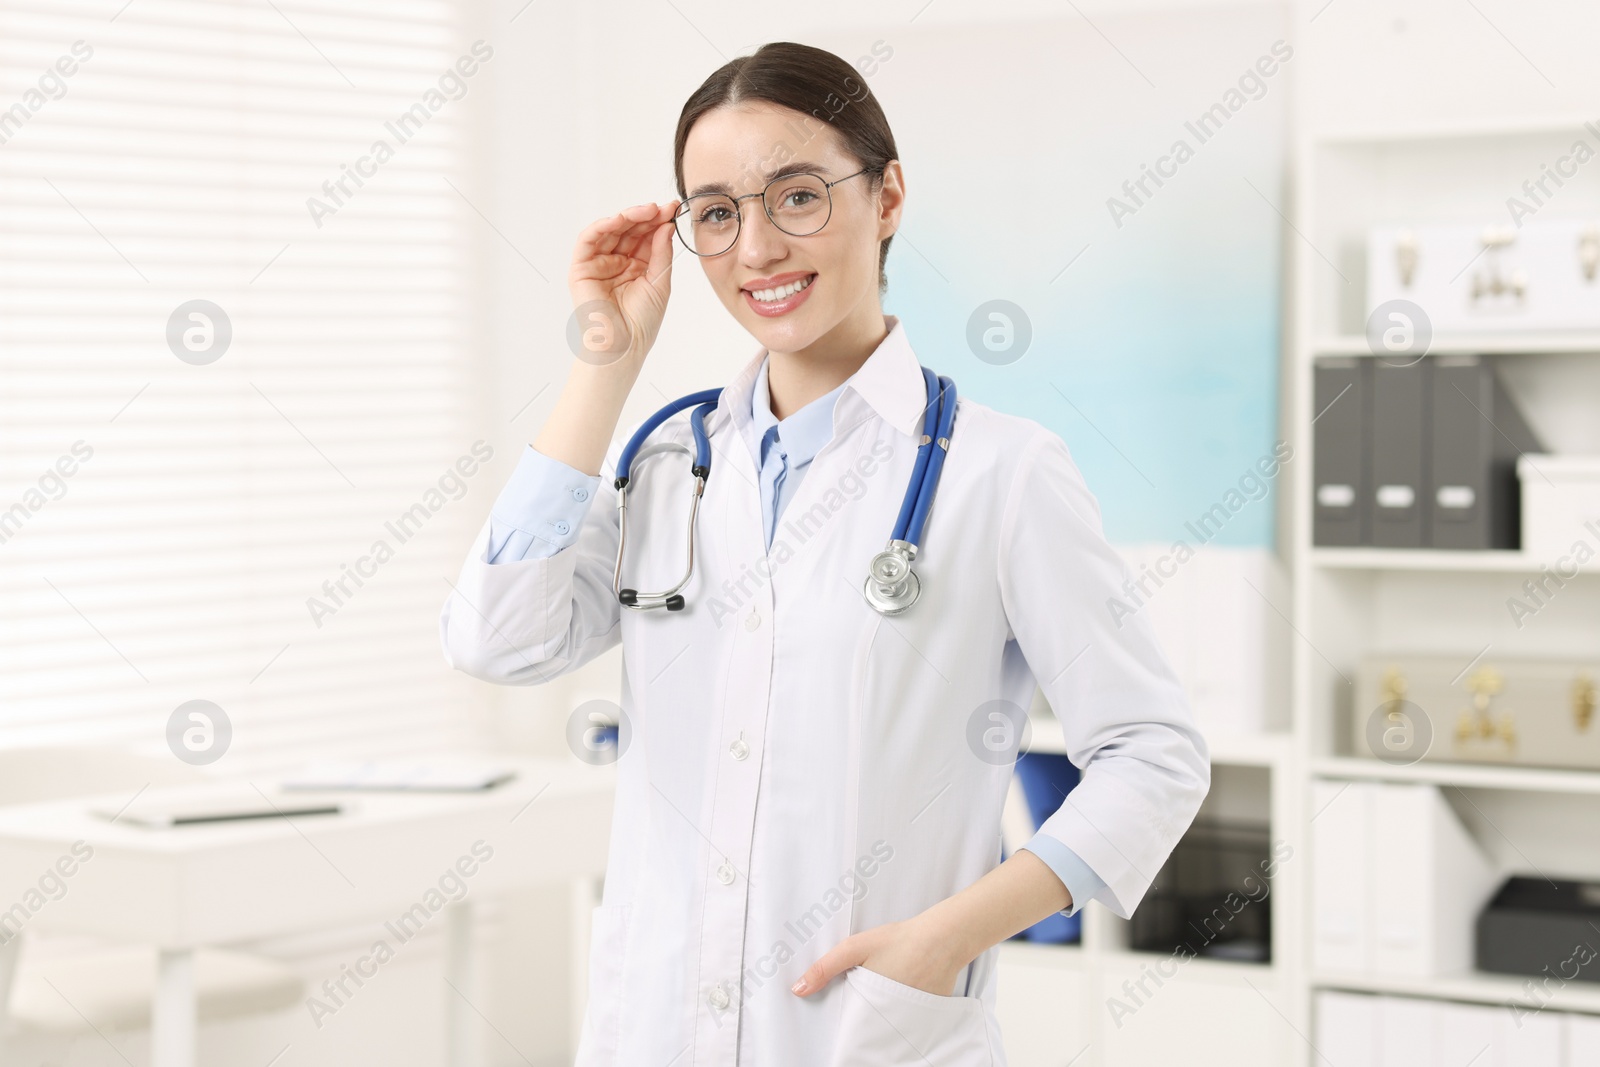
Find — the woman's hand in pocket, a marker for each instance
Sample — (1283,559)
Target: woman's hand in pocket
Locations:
(911,952)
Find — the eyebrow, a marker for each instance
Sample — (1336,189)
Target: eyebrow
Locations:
(797,166)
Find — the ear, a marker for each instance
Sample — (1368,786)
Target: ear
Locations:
(891,199)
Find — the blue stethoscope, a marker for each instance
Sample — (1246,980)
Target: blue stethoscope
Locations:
(891,586)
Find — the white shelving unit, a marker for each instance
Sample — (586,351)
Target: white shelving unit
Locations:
(1473,988)
(1484,345)
(1349,602)
(1411,559)
(1093,988)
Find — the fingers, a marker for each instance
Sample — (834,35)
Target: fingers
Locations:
(622,232)
(659,271)
(642,236)
(846,954)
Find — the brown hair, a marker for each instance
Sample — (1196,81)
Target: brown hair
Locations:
(817,84)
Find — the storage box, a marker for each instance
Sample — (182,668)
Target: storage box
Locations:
(1515,711)
(1542,928)
(1477,278)
(1560,507)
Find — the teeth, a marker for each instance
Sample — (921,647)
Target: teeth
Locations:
(767,296)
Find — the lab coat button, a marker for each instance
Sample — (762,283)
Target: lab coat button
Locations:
(725,873)
(752,621)
(580,494)
(738,749)
(562,528)
(718,997)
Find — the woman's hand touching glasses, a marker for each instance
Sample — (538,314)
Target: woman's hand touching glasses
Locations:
(620,280)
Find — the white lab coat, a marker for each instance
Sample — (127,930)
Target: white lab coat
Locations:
(800,768)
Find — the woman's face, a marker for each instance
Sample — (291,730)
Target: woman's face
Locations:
(736,150)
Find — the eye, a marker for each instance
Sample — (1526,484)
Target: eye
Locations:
(713,213)
(798,197)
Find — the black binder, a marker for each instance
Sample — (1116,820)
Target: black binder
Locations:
(1401,446)
(1342,396)
(1477,435)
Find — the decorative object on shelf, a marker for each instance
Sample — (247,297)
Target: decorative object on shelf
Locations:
(1211,898)
(1538,275)
(1542,928)
(1477,723)
(1396,880)
(1560,508)
(1421,454)
(1531,712)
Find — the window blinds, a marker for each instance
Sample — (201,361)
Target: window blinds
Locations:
(234,362)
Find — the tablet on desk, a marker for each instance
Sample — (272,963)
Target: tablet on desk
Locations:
(399,776)
(190,806)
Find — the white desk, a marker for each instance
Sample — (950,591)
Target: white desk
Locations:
(194,886)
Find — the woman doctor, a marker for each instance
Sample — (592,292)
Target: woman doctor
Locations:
(805,862)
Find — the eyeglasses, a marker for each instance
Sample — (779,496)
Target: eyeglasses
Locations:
(798,204)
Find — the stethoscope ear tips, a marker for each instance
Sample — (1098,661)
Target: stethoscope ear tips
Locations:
(629,598)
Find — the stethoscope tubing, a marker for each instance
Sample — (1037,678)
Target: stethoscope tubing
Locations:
(937,425)
(892,585)
(707,398)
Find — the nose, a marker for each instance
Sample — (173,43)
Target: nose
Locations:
(760,242)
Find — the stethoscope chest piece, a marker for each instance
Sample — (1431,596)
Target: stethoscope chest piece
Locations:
(892,586)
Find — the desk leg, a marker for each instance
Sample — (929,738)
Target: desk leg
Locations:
(461,1011)
(585,895)
(172,1016)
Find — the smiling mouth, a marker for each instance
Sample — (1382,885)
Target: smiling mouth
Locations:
(782,292)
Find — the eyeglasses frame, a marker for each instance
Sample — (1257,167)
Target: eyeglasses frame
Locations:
(738,209)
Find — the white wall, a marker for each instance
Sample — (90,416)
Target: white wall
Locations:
(1406,63)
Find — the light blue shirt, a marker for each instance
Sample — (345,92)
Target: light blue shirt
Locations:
(787,446)
(541,508)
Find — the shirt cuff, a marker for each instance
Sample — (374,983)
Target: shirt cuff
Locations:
(545,500)
(1075,874)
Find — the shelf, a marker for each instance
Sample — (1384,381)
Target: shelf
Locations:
(1197,966)
(1488,344)
(1467,775)
(1233,750)
(1248,750)
(1478,987)
(1475,130)
(1076,957)
(1503,561)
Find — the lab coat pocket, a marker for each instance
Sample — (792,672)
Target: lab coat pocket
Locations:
(885,1022)
(602,1019)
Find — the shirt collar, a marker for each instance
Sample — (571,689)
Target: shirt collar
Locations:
(888,383)
(803,432)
